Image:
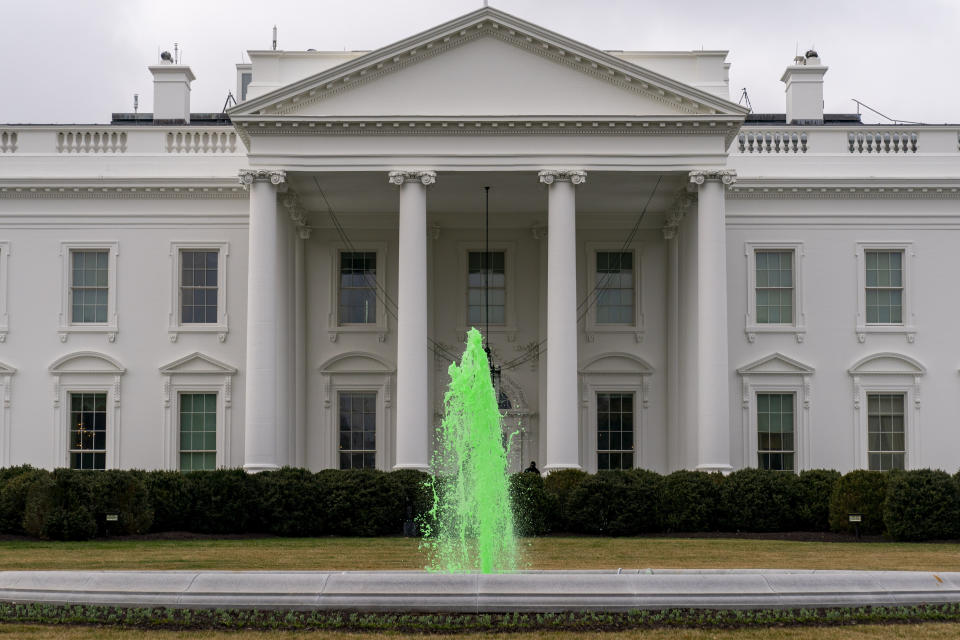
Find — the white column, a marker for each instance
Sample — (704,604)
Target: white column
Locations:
(413,364)
(676,455)
(713,372)
(562,425)
(260,425)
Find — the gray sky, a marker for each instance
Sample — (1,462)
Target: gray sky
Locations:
(79,60)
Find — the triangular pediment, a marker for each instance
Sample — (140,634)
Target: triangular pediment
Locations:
(6,370)
(197,363)
(356,362)
(86,362)
(620,363)
(776,363)
(486,64)
(887,364)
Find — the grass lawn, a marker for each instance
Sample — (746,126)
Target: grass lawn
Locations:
(540,553)
(930,631)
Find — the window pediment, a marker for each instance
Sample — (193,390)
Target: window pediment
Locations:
(776,363)
(356,362)
(86,362)
(6,369)
(617,363)
(197,363)
(887,364)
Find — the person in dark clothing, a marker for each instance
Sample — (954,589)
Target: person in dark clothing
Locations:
(532,468)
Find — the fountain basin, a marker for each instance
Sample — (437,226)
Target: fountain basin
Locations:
(528,591)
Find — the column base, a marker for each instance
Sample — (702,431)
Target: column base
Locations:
(257,467)
(415,467)
(715,468)
(550,468)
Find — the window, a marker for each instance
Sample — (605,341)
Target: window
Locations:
(198,431)
(358,429)
(358,282)
(884,286)
(88,430)
(614,431)
(89,286)
(884,291)
(89,295)
(486,275)
(886,440)
(199,286)
(614,284)
(198,300)
(775,431)
(774,287)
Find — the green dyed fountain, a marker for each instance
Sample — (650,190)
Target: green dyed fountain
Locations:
(470,527)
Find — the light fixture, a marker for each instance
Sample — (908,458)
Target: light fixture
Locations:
(494,370)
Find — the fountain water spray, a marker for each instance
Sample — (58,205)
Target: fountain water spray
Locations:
(470,527)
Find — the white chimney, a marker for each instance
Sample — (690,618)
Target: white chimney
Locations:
(171,90)
(804,80)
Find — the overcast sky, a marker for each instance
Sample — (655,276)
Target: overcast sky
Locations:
(80,60)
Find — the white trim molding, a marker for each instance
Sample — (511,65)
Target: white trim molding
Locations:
(358,371)
(509,327)
(196,373)
(777,373)
(614,372)
(887,372)
(6,378)
(85,371)
(798,327)
(635,328)
(66,325)
(4,290)
(907,327)
(381,328)
(222,326)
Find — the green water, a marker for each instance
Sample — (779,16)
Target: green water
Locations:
(470,527)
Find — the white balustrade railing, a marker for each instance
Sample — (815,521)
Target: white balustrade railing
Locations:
(201,142)
(91,142)
(882,141)
(772,141)
(8,141)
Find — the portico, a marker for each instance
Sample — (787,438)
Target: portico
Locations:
(386,156)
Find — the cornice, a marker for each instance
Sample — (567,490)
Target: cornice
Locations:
(140,192)
(492,23)
(856,189)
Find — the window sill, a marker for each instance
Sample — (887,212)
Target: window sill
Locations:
(109,329)
(908,331)
(335,332)
(592,331)
(173,333)
(799,332)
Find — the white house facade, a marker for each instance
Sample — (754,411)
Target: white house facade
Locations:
(669,282)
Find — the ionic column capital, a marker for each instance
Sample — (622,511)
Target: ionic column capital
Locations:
(412,175)
(276,177)
(726,176)
(573,176)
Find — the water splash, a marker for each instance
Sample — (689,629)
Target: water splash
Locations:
(470,527)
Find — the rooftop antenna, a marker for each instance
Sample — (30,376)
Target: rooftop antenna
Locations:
(274,37)
(136,102)
(176,53)
(745,99)
(229,102)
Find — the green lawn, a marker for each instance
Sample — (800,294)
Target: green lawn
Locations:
(864,632)
(539,553)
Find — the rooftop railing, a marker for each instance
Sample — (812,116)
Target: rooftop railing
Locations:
(853,141)
(118,140)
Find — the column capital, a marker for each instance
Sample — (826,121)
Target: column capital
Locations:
(574,176)
(248,176)
(726,176)
(412,175)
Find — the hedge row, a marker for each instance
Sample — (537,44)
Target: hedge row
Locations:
(74,505)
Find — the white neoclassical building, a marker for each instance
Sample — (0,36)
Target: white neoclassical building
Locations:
(669,281)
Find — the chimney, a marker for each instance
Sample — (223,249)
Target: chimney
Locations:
(804,80)
(171,91)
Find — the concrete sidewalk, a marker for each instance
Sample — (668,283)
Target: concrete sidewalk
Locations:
(532,591)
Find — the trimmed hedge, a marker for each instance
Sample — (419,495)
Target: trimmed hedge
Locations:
(72,505)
